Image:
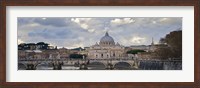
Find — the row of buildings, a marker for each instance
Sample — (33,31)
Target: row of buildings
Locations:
(105,49)
(43,50)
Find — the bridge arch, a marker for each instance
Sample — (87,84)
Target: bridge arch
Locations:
(21,66)
(97,64)
(43,66)
(124,65)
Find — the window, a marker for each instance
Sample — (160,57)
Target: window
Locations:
(102,55)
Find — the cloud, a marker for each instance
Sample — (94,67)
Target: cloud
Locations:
(154,22)
(133,40)
(122,21)
(80,20)
(33,24)
(137,40)
(77,45)
(51,33)
(19,41)
(83,23)
(74,32)
(58,22)
(163,19)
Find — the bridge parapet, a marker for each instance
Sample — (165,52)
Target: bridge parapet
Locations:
(78,62)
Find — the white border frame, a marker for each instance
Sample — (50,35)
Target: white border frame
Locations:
(185,75)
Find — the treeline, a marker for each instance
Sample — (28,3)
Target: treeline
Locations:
(173,40)
(76,56)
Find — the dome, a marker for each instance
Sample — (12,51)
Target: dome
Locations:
(107,40)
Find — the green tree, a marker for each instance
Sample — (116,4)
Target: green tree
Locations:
(77,56)
(134,51)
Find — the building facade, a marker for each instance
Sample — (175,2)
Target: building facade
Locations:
(106,49)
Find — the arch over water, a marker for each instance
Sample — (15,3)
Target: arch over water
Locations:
(97,65)
(122,65)
(21,66)
(44,66)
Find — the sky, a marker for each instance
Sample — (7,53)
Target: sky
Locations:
(72,32)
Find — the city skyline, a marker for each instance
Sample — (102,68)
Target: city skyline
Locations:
(73,32)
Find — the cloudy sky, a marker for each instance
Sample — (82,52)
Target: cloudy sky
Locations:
(82,32)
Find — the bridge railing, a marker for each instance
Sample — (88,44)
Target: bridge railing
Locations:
(70,59)
(47,59)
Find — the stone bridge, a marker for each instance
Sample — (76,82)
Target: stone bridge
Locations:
(143,64)
(112,63)
(31,64)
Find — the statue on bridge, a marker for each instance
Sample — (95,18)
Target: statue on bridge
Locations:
(50,56)
(58,56)
(57,65)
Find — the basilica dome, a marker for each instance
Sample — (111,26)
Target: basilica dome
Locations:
(107,40)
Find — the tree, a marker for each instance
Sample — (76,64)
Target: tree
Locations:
(162,41)
(174,45)
(174,40)
(76,56)
(134,51)
(163,53)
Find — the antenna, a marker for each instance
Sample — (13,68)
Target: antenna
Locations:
(152,43)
